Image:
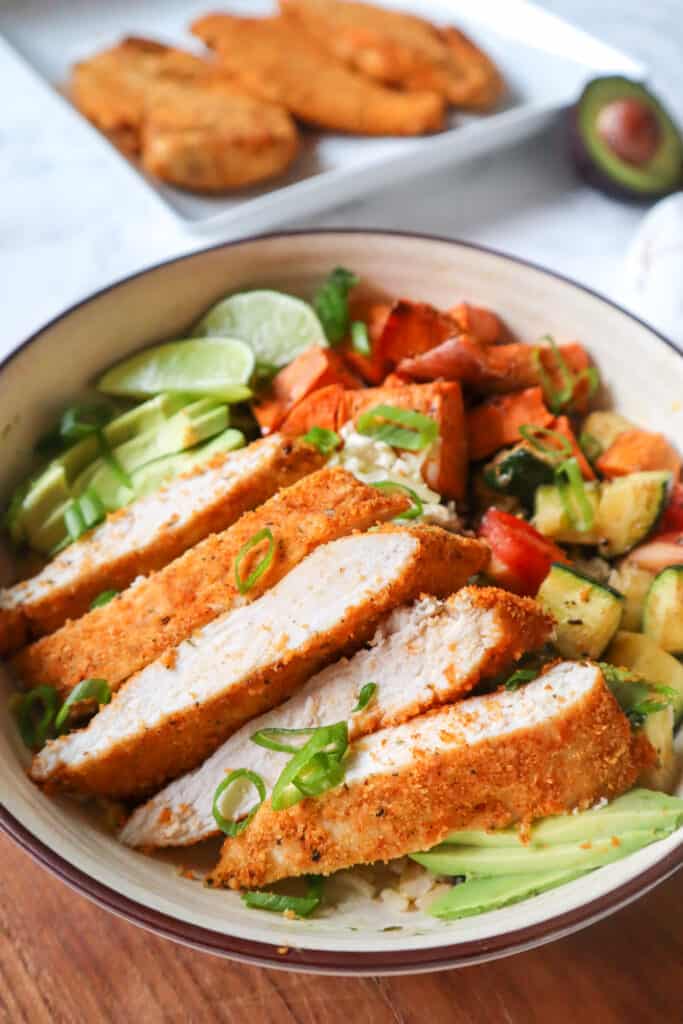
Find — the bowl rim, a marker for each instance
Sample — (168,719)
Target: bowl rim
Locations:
(433,958)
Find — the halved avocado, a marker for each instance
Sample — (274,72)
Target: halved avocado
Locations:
(624,142)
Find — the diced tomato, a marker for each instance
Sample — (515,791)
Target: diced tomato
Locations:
(520,556)
(672,520)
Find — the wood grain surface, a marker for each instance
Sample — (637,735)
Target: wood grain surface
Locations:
(65,961)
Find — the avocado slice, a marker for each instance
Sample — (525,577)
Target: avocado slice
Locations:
(624,141)
(481,895)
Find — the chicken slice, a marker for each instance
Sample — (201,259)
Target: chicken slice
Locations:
(277,62)
(558,743)
(185,119)
(424,655)
(168,718)
(163,609)
(149,533)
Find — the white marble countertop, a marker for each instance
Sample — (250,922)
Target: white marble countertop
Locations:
(68,226)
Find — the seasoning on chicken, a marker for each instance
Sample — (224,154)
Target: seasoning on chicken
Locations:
(421,656)
(558,743)
(161,611)
(149,533)
(168,718)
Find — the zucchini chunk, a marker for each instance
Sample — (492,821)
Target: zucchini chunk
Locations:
(640,654)
(625,511)
(633,583)
(663,611)
(604,428)
(658,728)
(518,472)
(587,613)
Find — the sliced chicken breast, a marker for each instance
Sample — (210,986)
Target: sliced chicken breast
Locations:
(421,656)
(168,718)
(558,743)
(163,609)
(147,534)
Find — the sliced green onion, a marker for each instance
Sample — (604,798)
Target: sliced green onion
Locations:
(569,482)
(522,675)
(315,768)
(79,421)
(104,598)
(92,509)
(366,695)
(270,739)
(302,906)
(89,689)
(331,303)
(401,428)
(360,339)
(559,449)
(108,456)
(34,732)
(244,585)
(590,374)
(557,398)
(229,825)
(416,509)
(326,441)
(590,446)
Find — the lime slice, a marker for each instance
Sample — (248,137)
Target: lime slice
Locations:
(276,326)
(206,366)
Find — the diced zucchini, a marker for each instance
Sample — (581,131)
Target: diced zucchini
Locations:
(663,611)
(643,656)
(659,729)
(605,428)
(634,584)
(625,511)
(518,472)
(587,613)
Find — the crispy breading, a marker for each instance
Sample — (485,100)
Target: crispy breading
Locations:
(185,119)
(273,59)
(165,608)
(401,49)
(559,743)
(149,533)
(174,713)
(424,655)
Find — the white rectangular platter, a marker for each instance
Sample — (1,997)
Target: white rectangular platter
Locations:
(544,59)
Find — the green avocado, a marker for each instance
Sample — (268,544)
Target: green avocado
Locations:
(624,141)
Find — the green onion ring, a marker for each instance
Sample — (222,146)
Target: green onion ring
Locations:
(360,339)
(417,508)
(89,689)
(268,738)
(278,903)
(326,441)
(244,585)
(229,825)
(34,734)
(366,696)
(413,433)
(569,482)
(330,740)
(102,599)
(522,675)
(533,435)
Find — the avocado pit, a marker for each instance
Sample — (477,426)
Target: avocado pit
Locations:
(630,129)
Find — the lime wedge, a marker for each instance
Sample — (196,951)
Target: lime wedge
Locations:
(276,326)
(206,366)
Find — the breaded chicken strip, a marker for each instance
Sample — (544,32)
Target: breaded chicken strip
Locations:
(401,49)
(168,718)
(185,119)
(421,656)
(149,533)
(558,743)
(274,60)
(167,607)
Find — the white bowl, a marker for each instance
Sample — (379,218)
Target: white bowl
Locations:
(644,375)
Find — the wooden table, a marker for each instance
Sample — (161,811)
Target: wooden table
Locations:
(65,961)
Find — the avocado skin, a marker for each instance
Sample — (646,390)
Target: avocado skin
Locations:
(594,173)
